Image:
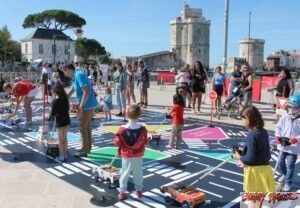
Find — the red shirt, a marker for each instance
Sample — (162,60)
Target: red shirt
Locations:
(177,114)
(22,88)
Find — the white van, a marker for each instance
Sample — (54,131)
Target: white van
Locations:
(36,65)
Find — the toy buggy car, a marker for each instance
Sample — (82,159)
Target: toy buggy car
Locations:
(51,146)
(186,196)
(108,174)
(155,136)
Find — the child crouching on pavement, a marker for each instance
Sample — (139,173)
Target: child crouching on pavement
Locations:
(131,140)
(256,154)
(288,129)
(177,121)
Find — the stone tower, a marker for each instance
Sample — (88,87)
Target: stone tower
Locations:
(253,51)
(190,37)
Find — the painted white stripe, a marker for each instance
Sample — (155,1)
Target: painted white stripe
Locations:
(86,174)
(89,164)
(30,139)
(71,167)
(12,133)
(136,203)
(228,171)
(8,141)
(81,166)
(233,202)
(228,179)
(171,173)
(211,193)
(64,170)
(158,167)
(180,175)
(2,143)
(164,170)
(150,165)
(225,187)
(121,205)
(274,157)
(15,141)
(157,195)
(188,162)
(23,140)
(150,202)
(55,172)
(149,175)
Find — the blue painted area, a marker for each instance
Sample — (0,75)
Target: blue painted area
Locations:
(71,136)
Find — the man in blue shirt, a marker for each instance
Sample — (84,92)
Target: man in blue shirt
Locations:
(235,78)
(87,102)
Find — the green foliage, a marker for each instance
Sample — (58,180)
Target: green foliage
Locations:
(54,19)
(89,47)
(9,49)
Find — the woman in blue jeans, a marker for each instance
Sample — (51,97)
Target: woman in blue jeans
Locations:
(289,127)
(120,79)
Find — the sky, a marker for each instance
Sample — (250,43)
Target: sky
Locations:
(138,27)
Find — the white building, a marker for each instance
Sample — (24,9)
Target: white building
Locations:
(48,44)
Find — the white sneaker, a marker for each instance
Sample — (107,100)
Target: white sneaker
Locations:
(281,179)
(287,188)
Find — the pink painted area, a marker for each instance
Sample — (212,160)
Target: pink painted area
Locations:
(205,133)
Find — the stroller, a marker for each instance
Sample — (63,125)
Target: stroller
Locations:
(232,103)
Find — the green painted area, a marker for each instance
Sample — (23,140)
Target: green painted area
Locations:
(215,154)
(105,156)
(150,128)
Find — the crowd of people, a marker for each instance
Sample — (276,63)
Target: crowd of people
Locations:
(131,138)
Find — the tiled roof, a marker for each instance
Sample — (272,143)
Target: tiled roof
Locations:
(48,34)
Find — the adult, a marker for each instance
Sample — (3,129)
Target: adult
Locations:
(130,84)
(235,78)
(198,85)
(284,87)
(120,78)
(218,84)
(143,82)
(246,88)
(22,91)
(46,78)
(183,80)
(87,102)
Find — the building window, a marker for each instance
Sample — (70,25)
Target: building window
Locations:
(66,49)
(26,48)
(41,48)
(53,49)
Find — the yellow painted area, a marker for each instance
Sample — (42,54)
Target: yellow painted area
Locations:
(150,128)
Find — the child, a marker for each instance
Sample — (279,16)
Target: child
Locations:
(60,111)
(289,127)
(131,140)
(256,154)
(177,121)
(108,106)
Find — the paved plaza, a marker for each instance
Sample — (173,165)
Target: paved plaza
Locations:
(29,178)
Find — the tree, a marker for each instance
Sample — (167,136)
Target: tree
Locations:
(54,19)
(89,47)
(9,49)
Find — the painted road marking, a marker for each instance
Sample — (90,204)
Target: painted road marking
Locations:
(228,179)
(150,165)
(8,141)
(188,162)
(208,192)
(2,143)
(181,175)
(71,167)
(55,172)
(77,164)
(225,187)
(149,202)
(149,175)
(158,167)
(172,173)
(122,205)
(165,170)
(136,203)
(228,171)
(155,194)
(64,170)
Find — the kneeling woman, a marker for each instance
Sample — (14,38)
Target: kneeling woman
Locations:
(23,91)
